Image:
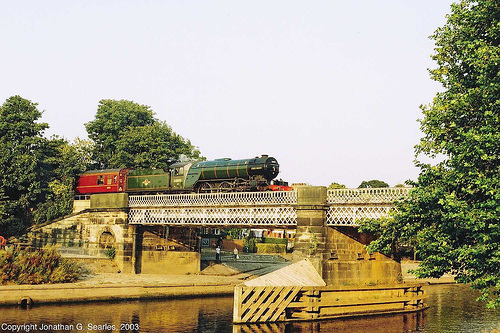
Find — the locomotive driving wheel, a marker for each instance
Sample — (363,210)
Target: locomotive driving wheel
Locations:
(204,188)
(226,186)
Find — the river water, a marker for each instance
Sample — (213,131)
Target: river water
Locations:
(452,309)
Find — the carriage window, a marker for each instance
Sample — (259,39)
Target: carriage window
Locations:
(178,171)
(100,180)
(115,179)
(109,181)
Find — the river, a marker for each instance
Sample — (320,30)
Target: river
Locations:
(453,308)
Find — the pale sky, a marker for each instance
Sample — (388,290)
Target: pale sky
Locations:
(331,89)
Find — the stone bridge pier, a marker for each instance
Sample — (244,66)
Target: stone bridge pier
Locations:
(337,252)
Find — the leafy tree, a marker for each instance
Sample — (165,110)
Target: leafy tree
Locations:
(151,146)
(452,215)
(126,134)
(336,186)
(234,233)
(373,184)
(68,162)
(23,163)
(249,243)
(113,118)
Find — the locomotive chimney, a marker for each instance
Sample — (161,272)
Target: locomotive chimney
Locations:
(265,156)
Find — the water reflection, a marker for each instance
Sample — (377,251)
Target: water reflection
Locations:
(194,315)
(373,324)
(452,309)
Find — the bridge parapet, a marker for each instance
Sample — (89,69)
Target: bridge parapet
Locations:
(348,206)
(366,195)
(345,207)
(218,209)
(215,199)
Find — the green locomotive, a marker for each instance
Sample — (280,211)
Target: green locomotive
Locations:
(254,174)
(207,176)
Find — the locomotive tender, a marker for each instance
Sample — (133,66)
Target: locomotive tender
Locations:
(220,175)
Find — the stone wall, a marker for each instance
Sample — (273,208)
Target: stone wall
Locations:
(104,225)
(89,233)
(170,262)
(346,262)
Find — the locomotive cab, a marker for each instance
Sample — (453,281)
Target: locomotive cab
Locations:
(178,174)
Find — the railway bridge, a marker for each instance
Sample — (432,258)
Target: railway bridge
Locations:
(342,207)
(326,224)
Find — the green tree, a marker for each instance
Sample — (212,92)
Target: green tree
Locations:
(68,161)
(452,215)
(374,183)
(336,186)
(126,134)
(24,165)
(112,120)
(151,146)
(249,243)
(234,233)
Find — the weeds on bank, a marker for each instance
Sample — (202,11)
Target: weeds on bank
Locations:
(37,266)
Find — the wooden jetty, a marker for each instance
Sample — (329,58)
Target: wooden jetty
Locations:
(297,292)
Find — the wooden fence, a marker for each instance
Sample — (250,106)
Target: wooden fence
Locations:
(292,303)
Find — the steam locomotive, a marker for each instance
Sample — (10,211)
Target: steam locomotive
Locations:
(220,175)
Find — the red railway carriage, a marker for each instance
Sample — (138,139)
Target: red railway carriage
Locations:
(102,181)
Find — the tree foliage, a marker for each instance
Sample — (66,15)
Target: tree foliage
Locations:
(126,134)
(68,161)
(152,146)
(335,185)
(452,216)
(374,183)
(23,164)
(37,174)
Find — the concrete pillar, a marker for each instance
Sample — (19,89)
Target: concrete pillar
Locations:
(310,239)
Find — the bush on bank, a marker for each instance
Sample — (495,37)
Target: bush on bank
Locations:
(37,267)
(270,248)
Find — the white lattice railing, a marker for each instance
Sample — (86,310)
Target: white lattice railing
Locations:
(350,215)
(367,195)
(215,199)
(264,216)
(346,207)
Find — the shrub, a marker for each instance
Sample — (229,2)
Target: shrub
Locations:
(249,245)
(270,240)
(110,253)
(36,267)
(271,248)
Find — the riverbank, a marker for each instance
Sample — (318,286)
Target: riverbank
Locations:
(408,277)
(217,280)
(122,287)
